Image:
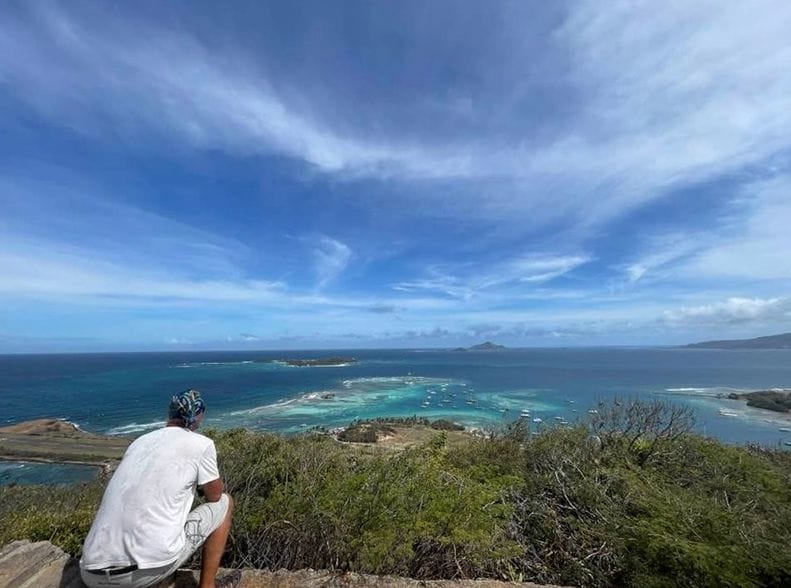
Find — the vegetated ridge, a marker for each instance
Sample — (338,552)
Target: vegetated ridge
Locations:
(781,341)
(631,497)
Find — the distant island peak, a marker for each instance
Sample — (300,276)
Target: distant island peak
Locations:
(486,346)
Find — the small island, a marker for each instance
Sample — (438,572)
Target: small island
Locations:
(315,362)
(487,346)
(774,400)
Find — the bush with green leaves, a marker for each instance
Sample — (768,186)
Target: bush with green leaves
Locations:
(446,425)
(329,505)
(60,514)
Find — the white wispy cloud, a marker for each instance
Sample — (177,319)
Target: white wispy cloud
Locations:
(668,97)
(438,282)
(753,243)
(62,214)
(40,271)
(672,96)
(734,311)
(48,269)
(111,78)
(465,282)
(662,254)
(331,258)
(538,269)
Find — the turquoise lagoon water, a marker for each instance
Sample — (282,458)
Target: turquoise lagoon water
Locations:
(128,393)
(16,472)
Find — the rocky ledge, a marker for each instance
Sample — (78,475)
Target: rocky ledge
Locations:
(42,565)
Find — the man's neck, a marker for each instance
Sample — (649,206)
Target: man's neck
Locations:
(177,423)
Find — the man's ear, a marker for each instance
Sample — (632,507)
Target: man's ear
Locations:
(197,422)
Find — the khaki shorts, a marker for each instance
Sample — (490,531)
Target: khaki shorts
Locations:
(201,523)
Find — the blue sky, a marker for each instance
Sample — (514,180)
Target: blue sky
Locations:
(393,174)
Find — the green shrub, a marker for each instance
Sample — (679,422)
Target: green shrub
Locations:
(329,505)
(446,425)
(361,433)
(60,514)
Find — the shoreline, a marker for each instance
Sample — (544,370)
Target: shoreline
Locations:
(105,467)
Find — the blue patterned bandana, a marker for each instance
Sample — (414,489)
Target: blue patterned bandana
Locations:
(186,406)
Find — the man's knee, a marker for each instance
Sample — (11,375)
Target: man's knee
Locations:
(230,505)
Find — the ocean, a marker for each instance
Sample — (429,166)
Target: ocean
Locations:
(128,393)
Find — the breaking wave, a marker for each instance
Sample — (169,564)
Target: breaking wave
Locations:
(134,428)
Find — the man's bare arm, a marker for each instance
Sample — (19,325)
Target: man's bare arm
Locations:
(213,490)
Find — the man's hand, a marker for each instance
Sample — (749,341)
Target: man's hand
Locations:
(212,490)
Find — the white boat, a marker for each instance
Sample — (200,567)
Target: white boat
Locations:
(524,413)
(727,413)
(593,411)
(537,420)
(784,430)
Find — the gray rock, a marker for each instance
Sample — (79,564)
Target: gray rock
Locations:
(42,565)
(37,565)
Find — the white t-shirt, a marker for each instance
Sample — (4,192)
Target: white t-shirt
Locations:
(144,508)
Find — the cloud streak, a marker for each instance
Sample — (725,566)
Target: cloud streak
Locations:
(530,269)
(112,78)
(331,257)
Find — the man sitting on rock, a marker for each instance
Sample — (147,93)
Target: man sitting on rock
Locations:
(144,529)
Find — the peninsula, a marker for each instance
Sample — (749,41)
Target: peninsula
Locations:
(774,400)
(58,441)
(781,341)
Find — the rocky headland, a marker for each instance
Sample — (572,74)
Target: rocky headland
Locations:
(58,441)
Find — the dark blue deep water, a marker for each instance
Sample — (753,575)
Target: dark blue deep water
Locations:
(128,393)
